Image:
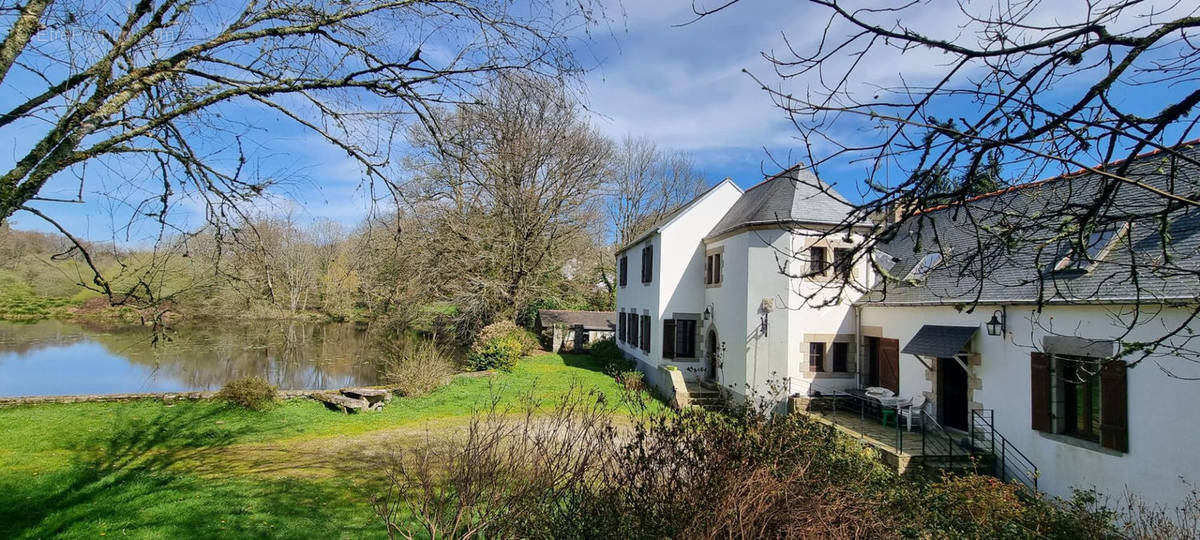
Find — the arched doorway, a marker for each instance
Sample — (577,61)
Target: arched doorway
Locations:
(712,357)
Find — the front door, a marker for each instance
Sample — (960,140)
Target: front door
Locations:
(952,394)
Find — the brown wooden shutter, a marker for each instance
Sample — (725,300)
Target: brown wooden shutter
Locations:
(1039,390)
(668,339)
(889,364)
(621,326)
(1114,406)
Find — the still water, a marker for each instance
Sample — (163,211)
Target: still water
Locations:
(64,358)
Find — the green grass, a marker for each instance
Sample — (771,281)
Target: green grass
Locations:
(203,469)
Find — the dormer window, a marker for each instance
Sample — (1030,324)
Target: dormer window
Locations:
(1098,245)
(924,266)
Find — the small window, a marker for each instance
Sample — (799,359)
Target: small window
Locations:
(927,263)
(624,270)
(1098,244)
(840,353)
(843,262)
(818,261)
(816,357)
(712,269)
(647,264)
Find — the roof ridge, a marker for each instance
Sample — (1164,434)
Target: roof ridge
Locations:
(1071,174)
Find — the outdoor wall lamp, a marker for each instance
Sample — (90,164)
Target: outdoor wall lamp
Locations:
(708,312)
(996,326)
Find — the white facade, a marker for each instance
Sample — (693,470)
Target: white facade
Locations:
(764,331)
(1160,464)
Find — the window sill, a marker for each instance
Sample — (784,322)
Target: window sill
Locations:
(712,285)
(682,359)
(1080,443)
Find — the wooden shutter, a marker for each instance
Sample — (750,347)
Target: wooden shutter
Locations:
(646,333)
(1114,406)
(621,326)
(889,364)
(1039,391)
(647,263)
(624,271)
(668,341)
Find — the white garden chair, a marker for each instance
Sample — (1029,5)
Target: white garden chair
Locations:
(911,409)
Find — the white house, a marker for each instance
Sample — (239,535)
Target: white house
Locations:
(739,289)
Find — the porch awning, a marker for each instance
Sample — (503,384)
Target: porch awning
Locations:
(940,341)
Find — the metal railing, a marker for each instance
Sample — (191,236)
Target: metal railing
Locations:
(1009,463)
(935,441)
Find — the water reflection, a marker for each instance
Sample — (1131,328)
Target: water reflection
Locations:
(63,358)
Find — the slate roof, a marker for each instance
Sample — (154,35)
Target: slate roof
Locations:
(937,341)
(792,196)
(591,320)
(1019,248)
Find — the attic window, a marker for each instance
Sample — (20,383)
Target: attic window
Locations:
(1098,244)
(927,263)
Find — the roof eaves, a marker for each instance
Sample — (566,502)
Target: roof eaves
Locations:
(675,214)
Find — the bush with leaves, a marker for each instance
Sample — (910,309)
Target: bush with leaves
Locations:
(610,357)
(253,393)
(499,345)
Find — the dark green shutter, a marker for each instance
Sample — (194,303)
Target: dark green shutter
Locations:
(668,341)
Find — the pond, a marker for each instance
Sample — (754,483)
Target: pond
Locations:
(65,358)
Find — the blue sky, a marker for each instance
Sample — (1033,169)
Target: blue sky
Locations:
(682,86)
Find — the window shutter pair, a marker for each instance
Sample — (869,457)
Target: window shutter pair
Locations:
(647,263)
(1114,405)
(668,344)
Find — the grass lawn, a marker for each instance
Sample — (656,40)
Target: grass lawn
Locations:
(202,469)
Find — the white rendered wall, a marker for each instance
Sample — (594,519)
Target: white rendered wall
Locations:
(678,282)
(1164,439)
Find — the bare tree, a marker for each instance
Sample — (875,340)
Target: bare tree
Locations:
(646,183)
(170,94)
(512,182)
(1002,94)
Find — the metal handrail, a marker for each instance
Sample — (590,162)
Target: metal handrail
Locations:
(1021,467)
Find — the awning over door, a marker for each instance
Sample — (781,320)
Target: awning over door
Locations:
(940,341)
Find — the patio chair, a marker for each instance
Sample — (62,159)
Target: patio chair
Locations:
(910,409)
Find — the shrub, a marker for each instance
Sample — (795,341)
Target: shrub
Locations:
(415,367)
(253,393)
(499,345)
(632,381)
(609,356)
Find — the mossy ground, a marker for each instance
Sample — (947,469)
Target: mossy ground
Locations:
(149,469)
